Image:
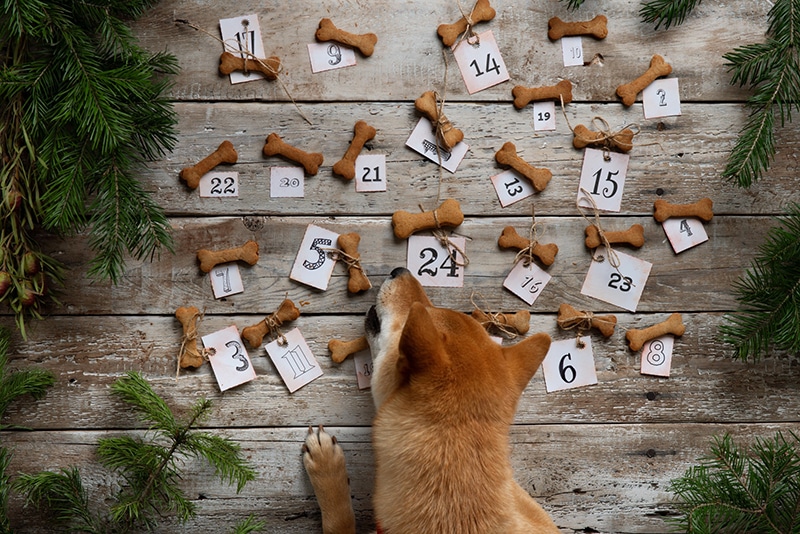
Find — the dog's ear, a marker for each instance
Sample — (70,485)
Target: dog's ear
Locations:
(526,356)
(421,344)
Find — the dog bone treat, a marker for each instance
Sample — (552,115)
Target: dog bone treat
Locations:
(597,28)
(583,137)
(365,43)
(700,209)
(482,12)
(342,349)
(523,96)
(658,68)
(633,236)
(269,67)
(309,160)
(346,167)
(569,318)
(348,243)
(638,337)
(508,156)
(511,239)
(286,312)
(225,153)
(520,321)
(447,214)
(189,356)
(450,135)
(211,258)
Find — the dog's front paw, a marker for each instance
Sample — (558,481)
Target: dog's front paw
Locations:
(324,461)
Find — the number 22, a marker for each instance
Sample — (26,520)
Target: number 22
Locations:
(216,186)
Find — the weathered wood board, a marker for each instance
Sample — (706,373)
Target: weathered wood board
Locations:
(598,458)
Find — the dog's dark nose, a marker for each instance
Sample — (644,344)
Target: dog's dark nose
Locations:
(397,271)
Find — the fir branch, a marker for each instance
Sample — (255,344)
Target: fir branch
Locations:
(5,490)
(769,295)
(134,390)
(667,12)
(224,455)
(62,492)
(248,526)
(14,384)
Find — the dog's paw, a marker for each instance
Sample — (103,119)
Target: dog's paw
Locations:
(323,459)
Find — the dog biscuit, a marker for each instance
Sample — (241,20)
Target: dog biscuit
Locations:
(342,349)
(583,137)
(346,167)
(482,12)
(269,67)
(254,334)
(520,321)
(447,214)
(702,209)
(450,135)
(190,356)
(309,160)
(562,91)
(209,259)
(364,43)
(511,239)
(633,236)
(569,317)
(597,28)
(358,282)
(638,337)
(507,155)
(658,68)
(225,153)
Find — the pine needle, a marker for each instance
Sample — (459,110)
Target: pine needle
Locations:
(666,12)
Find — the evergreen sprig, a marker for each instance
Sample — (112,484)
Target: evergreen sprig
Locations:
(769,295)
(742,490)
(149,467)
(666,12)
(82,107)
(772,70)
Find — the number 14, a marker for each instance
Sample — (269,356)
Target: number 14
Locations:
(491,65)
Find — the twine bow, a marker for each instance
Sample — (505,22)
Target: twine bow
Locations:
(274,323)
(526,254)
(494,320)
(188,336)
(469,33)
(348,260)
(453,250)
(613,258)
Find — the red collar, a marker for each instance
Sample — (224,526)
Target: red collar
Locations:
(379,529)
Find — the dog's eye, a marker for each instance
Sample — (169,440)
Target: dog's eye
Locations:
(372,324)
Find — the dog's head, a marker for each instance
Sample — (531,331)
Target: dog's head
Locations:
(443,354)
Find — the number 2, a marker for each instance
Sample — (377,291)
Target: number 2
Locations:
(491,65)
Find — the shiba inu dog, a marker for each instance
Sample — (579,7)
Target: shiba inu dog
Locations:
(445,396)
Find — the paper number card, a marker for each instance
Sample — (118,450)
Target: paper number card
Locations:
(329,56)
(657,356)
(572,51)
(230,361)
(661,99)
(219,184)
(287,182)
(243,34)
(684,234)
(370,173)
(567,366)
(226,280)
(480,63)
(313,265)
(602,179)
(511,187)
(423,140)
(431,263)
(622,286)
(526,282)
(544,115)
(363,362)
(294,361)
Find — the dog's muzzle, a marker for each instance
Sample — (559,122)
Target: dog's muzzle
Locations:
(372,324)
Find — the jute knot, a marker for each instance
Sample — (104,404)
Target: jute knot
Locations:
(453,250)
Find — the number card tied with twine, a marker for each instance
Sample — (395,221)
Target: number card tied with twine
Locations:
(603,136)
(481,12)
(446,134)
(271,325)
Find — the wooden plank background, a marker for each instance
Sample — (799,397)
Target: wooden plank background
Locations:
(598,458)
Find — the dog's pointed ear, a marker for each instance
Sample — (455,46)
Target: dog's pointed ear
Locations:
(421,344)
(526,356)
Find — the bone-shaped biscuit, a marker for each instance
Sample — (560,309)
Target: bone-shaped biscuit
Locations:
(568,317)
(225,153)
(583,137)
(702,209)
(254,334)
(309,160)
(519,321)
(426,104)
(562,91)
(364,43)
(346,167)
(348,243)
(658,67)
(269,67)
(597,28)
(449,33)
(638,337)
(209,259)
(447,214)
(511,239)
(190,356)
(507,155)
(633,236)
(342,349)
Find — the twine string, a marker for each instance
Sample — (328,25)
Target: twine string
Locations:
(582,321)
(469,33)
(453,250)
(613,258)
(526,254)
(608,137)
(348,260)
(494,320)
(273,324)
(191,335)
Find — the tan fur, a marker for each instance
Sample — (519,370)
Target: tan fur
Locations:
(445,395)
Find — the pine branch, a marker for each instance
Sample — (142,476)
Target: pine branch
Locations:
(14,384)
(739,490)
(63,493)
(769,295)
(667,12)
(5,490)
(248,526)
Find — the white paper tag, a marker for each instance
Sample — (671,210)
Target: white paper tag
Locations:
(219,184)
(294,360)
(544,115)
(622,287)
(230,361)
(243,34)
(423,140)
(526,282)
(657,356)
(431,263)
(329,56)
(602,179)
(313,265)
(226,280)
(661,99)
(285,182)
(363,362)
(684,233)
(481,64)
(567,366)
(572,51)
(371,173)
(511,187)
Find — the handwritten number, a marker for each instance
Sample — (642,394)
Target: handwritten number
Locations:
(313,266)
(662,97)
(237,354)
(226,279)
(563,370)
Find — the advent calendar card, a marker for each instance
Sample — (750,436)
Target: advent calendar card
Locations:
(511,187)
(684,233)
(229,360)
(661,99)
(287,182)
(313,265)
(622,285)
(219,184)
(526,282)
(572,51)
(603,179)
(568,366)
(431,263)
(226,280)
(363,363)
(480,62)
(242,37)
(329,56)
(657,356)
(294,360)
(370,173)
(423,140)
(544,115)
